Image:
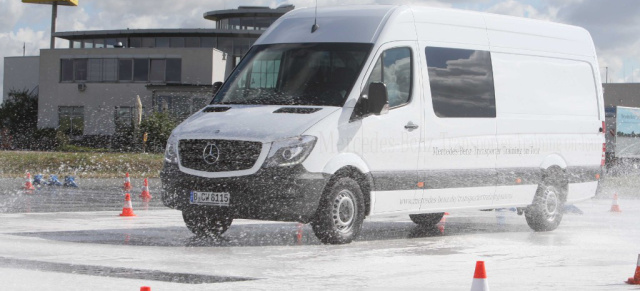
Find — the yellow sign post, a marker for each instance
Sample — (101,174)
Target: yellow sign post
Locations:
(54,12)
(59,2)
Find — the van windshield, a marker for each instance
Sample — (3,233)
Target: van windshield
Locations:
(316,74)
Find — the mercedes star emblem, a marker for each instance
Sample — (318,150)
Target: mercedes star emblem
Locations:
(211,154)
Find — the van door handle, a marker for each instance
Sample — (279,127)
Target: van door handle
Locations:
(411,126)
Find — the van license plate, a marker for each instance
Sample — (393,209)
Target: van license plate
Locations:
(210,198)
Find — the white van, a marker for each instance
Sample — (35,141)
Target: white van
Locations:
(378,110)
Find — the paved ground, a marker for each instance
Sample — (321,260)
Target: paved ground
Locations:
(73,239)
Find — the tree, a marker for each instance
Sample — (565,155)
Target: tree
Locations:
(19,115)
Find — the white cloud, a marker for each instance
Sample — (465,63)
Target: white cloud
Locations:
(515,8)
(11,12)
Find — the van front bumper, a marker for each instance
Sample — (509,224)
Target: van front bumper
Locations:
(280,194)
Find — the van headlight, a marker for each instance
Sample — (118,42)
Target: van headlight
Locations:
(171,152)
(289,152)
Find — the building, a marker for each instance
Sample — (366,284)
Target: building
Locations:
(91,91)
(21,73)
(90,88)
(621,94)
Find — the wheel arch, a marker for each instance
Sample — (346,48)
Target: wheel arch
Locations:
(364,180)
(557,176)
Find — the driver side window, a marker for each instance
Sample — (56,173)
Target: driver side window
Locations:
(394,69)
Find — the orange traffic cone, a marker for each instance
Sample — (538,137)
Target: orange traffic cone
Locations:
(145,288)
(145,195)
(614,206)
(127,209)
(636,278)
(480,278)
(127,183)
(299,233)
(28,185)
(442,222)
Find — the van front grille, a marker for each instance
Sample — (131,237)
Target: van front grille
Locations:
(214,155)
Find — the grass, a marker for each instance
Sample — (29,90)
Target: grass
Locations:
(80,164)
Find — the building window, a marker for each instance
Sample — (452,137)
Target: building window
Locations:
(394,70)
(71,120)
(158,68)
(223,24)
(109,70)
(461,82)
(174,71)
(148,42)
(177,42)
(110,42)
(88,43)
(208,42)
(141,70)
(163,42)
(80,69)
(66,70)
(192,42)
(123,116)
(135,42)
(94,70)
(102,70)
(99,43)
(125,70)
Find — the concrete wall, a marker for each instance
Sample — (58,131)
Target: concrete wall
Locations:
(199,66)
(20,73)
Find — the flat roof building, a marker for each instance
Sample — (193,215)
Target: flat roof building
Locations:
(90,87)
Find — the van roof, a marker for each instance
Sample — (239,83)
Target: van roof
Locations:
(371,23)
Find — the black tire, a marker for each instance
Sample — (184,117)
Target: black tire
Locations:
(427,219)
(340,214)
(547,209)
(205,223)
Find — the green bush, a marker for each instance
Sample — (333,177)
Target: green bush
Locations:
(122,139)
(158,127)
(49,139)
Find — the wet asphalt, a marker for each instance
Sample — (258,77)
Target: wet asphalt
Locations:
(73,239)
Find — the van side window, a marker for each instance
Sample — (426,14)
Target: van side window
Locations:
(394,69)
(461,82)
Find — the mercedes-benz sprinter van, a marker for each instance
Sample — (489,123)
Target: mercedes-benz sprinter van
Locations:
(356,111)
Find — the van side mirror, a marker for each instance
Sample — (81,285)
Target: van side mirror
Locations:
(378,98)
(216,86)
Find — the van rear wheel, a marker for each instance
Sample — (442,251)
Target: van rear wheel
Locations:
(427,219)
(340,214)
(545,213)
(205,223)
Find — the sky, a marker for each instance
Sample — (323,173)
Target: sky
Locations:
(613,24)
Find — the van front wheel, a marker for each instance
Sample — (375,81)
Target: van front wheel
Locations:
(340,214)
(545,213)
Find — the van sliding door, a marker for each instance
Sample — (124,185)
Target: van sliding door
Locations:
(458,158)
